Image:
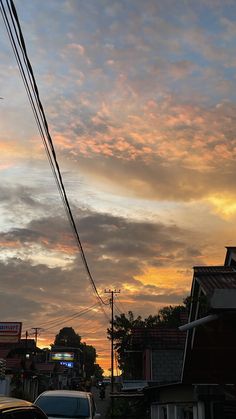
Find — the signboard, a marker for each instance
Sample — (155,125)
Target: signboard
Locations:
(10,332)
(62,356)
(67,364)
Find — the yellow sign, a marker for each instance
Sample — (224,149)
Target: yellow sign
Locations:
(62,356)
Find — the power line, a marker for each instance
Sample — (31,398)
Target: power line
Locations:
(62,319)
(121,304)
(36,330)
(68,317)
(41,121)
(59,323)
(117,308)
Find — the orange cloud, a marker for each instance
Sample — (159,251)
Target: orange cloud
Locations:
(168,277)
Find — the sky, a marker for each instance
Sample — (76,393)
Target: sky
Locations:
(140,99)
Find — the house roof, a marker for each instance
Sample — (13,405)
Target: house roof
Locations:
(13,363)
(4,353)
(49,367)
(210,348)
(215,277)
(212,269)
(158,337)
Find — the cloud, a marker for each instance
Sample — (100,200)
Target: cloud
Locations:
(141,108)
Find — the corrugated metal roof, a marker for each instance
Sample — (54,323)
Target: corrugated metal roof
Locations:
(219,280)
(212,269)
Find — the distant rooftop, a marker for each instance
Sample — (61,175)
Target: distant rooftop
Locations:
(159,337)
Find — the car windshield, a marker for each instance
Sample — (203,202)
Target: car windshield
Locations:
(64,407)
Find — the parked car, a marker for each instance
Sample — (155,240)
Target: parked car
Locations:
(11,408)
(66,404)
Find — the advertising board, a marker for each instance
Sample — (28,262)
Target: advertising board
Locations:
(62,356)
(10,332)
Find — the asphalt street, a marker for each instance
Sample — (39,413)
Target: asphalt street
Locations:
(102,405)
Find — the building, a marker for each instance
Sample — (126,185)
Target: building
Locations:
(162,351)
(207,387)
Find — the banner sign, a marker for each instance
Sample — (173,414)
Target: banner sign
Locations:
(10,332)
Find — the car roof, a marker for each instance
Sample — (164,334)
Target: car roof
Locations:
(10,402)
(66,393)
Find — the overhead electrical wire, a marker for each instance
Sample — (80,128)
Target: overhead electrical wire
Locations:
(71,318)
(24,78)
(117,308)
(62,319)
(121,304)
(15,34)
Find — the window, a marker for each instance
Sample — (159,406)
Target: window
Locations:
(64,407)
(184,412)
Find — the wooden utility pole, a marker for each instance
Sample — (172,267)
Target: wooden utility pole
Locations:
(36,329)
(112,292)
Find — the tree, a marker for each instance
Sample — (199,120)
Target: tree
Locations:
(168,316)
(89,359)
(68,337)
(122,328)
(98,372)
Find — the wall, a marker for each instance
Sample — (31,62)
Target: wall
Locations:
(5,386)
(167,365)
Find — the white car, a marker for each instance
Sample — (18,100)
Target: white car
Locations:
(67,404)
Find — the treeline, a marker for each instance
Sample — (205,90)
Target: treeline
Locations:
(169,316)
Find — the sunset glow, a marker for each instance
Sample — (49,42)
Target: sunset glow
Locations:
(140,102)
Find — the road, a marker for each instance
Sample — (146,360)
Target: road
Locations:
(102,405)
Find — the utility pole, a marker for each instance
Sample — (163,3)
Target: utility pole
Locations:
(36,329)
(112,292)
(26,340)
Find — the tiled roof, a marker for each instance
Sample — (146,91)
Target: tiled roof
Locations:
(13,363)
(49,367)
(4,353)
(158,337)
(45,367)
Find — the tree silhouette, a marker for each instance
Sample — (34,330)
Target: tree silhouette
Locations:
(168,316)
(68,337)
